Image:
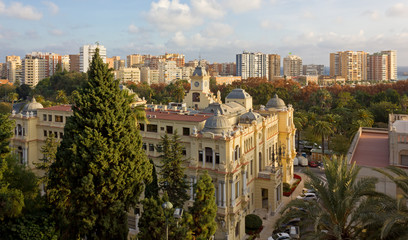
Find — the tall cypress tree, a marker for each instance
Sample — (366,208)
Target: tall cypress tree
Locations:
(204,209)
(100,168)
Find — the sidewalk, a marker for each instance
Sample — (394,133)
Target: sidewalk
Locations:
(269,223)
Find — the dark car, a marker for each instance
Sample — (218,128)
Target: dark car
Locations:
(313,164)
(291,222)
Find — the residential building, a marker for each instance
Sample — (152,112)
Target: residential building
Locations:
(248,154)
(392,64)
(149,76)
(52,61)
(65,63)
(176,57)
(14,68)
(313,69)
(377,67)
(223,69)
(134,60)
(349,64)
(168,72)
(3,70)
(34,69)
(292,66)
(186,73)
(227,80)
(274,65)
(86,53)
(128,75)
(74,62)
(252,65)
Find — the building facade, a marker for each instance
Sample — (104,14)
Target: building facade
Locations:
(249,154)
(128,75)
(252,65)
(349,64)
(392,64)
(313,70)
(292,66)
(274,65)
(14,68)
(86,53)
(377,67)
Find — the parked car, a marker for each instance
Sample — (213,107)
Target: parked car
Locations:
(302,161)
(293,232)
(291,222)
(280,236)
(313,164)
(307,190)
(308,196)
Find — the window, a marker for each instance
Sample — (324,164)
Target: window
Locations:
(184,152)
(144,146)
(151,147)
(45,133)
(404,160)
(61,135)
(24,132)
(151,127)
(186,131)
(237,229)
(260,161)
(161,128)
(19,130)
(236,189)
(50,133)
(44,117)
(196,97)
(169,129)
(251,167)
(278,193)
(58,118)
(217,158)
(141,126)
(50,118)
(208,155)
(200,156)
(236,155)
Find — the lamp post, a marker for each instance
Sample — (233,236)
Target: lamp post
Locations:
(167,206)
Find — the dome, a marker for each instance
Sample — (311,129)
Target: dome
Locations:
(249,117)
(32,106)
(238,93)
(199,71)
(275,102)
(216,124)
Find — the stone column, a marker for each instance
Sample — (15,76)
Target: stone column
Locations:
(244,182)
(219,202)
(232,193)
(224,192)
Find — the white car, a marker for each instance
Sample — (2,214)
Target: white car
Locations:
(280,236)
(308,196)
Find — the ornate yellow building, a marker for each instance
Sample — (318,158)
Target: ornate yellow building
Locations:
(248,153)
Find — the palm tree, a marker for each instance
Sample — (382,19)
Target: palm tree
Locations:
(344,203)
(322,128)
(62,97)
(13,97)
(300,121)
(394,212)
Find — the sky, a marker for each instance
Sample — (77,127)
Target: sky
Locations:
(216,30)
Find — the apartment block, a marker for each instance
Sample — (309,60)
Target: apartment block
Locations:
(392,64)
(292,66)
(349,64)
(313,70)
(149,76)
(34,69)
(86,53)
(223,69)
(134,60)
(74,62)
(128,75)
(252,65)
(377,67)
(14,68)
(168,72)
(274,65)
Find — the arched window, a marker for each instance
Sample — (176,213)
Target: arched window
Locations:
(19,129)
(196,97)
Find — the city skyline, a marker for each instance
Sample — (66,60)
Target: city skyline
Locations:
(216,30)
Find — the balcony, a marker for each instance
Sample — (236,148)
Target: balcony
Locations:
(273,173)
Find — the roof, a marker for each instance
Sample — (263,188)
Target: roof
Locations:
(5,81)
(238,93)
(372,149)
(275,102)
(176,116)
(65,108)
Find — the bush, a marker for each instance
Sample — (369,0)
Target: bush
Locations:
(286,187)
(252,223)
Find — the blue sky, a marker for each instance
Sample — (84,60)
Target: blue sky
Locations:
(216,29)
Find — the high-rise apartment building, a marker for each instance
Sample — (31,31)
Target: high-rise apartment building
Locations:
(34,69)
(252,65)
(128,75)
(3,70)
(74,62)
(377,67)
(392,64)
(313,70)
(134,60)
(176,57)
(149,76)
(87,52)
(349,64)
(168,72)
(292,66)
(65,63)
(274,63)
(14,68)
(223,69)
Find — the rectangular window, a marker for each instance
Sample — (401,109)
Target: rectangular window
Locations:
(61,135)
(169,129)
(50,118)
(45,133)
(141,126)
(151,147)
(44,117)
(50,133)
(237,190)
(208,155)
(58,118)
(200,156)
(144,146)
(161,128)
(217,158)
(237,229)
(184,152)
(404,160)
(56,134)
(186,131)
(151,127)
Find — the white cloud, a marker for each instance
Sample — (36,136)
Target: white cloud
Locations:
(54,9)
(266,24)
(133,29)
(374,15)
(218,30)
(171,15)
(398,10)
(179,39)
(18,10)
(56,32)
(239,6)
(308,15)
(207,8)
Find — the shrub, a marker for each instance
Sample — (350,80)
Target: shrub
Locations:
(286,187)
(252,223)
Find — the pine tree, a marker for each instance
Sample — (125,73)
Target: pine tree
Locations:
(100,167)
(204,209)
(173,181)
(152,189)
(6,127)
(49,151)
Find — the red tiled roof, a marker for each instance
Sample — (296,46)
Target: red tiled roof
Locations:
(372,150)
(66,108)
(175,116)
(5,81)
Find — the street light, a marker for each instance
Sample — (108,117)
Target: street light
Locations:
(167,206)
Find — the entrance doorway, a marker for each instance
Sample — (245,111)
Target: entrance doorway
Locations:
(264,198)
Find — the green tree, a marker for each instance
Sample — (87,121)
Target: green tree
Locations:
(382,109)
(204,209)
(152,189)
(300,121)
(62,97)
(323,129)
(12,96)
(49,151)
(5,107)
(344,204)
(6,127)
(23,91)
(100,168)
(173,180)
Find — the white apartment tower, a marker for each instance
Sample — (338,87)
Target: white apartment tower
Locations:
(252,65)
(392,64)
(292,66)
(86,53)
